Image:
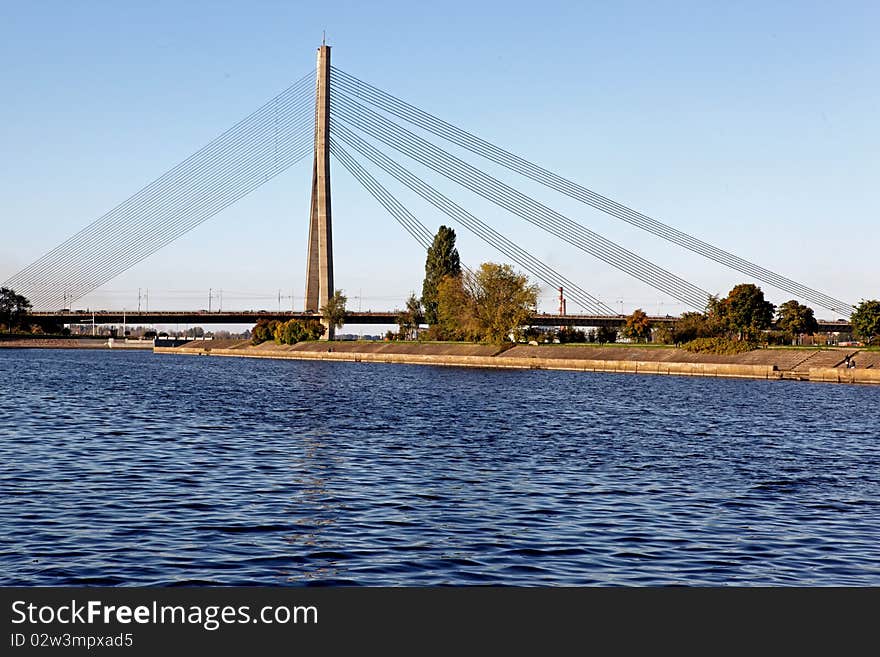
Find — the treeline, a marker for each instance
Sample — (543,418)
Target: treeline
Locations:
(744,319)
(494,303)
(571,335)
(739,322)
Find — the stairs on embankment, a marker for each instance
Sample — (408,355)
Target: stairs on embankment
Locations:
(800,371)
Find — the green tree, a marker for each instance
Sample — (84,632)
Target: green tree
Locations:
(743,311)
(409,319)
(489,304)
(637,327)
(796,319)
(295,330)
(333,311)
(442,261)
(13,307)
(866,321)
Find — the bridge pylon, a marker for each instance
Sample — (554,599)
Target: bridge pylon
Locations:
(319,265)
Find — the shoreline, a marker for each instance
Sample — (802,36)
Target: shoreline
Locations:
(799,365)
(72,343)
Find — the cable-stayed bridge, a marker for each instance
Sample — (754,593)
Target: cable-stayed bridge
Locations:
(376,136)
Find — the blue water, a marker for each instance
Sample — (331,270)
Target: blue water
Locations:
(132,468)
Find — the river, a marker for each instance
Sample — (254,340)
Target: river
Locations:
(139,469)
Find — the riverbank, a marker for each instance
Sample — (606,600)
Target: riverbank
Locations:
(73,343)
(826,365)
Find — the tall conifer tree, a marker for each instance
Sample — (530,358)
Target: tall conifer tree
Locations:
(442,261)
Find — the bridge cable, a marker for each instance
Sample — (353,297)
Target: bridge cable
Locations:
(378,191)
(469,178)
(131,250)
(515,253)
(464,174)
(417,230)
(94,278)
(624,266)
(445,130)
(87,240)
(207,152)
(179,222)
(129,231)
(210,207)
(142,223)
(461,216)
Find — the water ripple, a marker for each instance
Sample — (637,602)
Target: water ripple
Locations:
(135,469)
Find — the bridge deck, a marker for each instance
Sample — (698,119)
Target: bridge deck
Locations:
(353,318)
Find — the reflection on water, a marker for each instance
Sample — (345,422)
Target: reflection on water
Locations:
(130,468)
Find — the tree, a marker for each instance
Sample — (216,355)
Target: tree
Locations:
(456,317)
(264,330)
(795,318)
(488,304)
(505,300)
(13,307)
(442,261)
(295,330)
(605,334)
(408,320)
(866,320)
(638,326)
(743,311)
(333,311)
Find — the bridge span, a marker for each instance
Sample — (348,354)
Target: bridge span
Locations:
(203,317)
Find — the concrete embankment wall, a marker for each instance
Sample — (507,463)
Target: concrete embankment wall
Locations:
(452,356)
(844,375)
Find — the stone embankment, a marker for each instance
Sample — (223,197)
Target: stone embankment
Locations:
(805,365)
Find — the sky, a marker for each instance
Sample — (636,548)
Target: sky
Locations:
(751,125)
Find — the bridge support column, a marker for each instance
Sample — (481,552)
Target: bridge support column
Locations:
(319,266)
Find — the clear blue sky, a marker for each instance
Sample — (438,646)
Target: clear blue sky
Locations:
(752,125)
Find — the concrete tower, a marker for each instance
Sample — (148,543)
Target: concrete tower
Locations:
(319,267)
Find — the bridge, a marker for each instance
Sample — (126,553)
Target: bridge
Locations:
(204,317)
(330,112)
